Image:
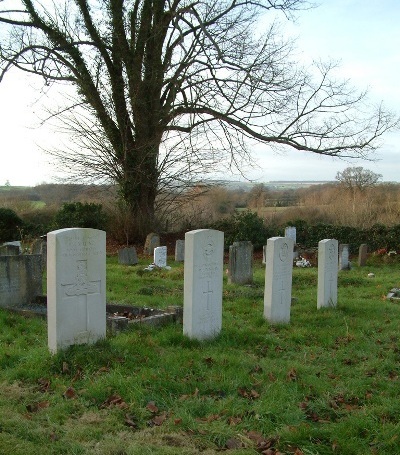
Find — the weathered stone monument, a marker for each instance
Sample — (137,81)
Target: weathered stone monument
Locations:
(240,268)
(344,254)
(152,241)
(203,276)
(9,250)
(20,279)
(180,251)
(39,246)
(327,273)
(278,279)
(160,256)
(362,255)
(76,287)
(127,256)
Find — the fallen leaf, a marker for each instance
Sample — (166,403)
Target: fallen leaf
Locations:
(151,406)
(65,368)
(131,422)
(160,419)
(70,393)
(114,400)
(177,421)
(232,421)
(44,385)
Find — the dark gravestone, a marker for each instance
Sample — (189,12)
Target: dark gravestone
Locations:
(240,269)
(362,254)
(20,279)
(152,241)
(127,256)
(180,251)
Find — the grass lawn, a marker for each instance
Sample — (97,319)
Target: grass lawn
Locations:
(327,383)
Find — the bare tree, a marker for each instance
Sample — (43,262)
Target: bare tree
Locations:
(357,180)
(168,88)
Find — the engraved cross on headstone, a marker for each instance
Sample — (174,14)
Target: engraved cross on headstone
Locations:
(208,292)
(82,288)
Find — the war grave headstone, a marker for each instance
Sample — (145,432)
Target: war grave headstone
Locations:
(264,259)
(278,279)
(240,268)
(39,246)
(20,279)
(362,255)
(9,250)
(180,251)
(203,277)
(327,273)
(152,241)
(76,287)
(344,252)
(128,256)
(160,256)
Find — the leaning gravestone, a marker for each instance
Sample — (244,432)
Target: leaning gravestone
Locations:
(127,256)
(160,256)
(362,255)
(344,263)
(152,241)
(76,287)
(9,250)
(180,251)
(278,279)
(20,279)
(203,276)
(327,273)
(240,269)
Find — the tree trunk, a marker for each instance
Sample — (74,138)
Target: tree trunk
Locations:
(138,188)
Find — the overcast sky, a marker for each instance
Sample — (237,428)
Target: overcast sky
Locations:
(363,34)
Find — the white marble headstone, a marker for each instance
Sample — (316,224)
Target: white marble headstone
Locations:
(344,255)
(327,273)
(203,276)
(290,232)
(278,279)
(76,287)
(180,251)
(160,256)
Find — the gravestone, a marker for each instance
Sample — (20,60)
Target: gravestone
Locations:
(152,241)
(9,250)
(264,259)
(327,273)
(20,279)
(160,256)
(278,279)
(362,255)
(39,246)
(76,287)
(180,251)
(203,275)
(240,268)
(290,232)
(127,256)
(344,263)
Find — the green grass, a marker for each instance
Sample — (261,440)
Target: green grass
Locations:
(327,383)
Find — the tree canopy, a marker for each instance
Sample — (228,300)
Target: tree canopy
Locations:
(166,89)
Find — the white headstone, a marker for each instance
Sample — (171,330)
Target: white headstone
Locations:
(290,232)
(76,287)
(180,251)
(278,279)
(203,272)
(344,263)
(264,259)
(160,256)
(327,273)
